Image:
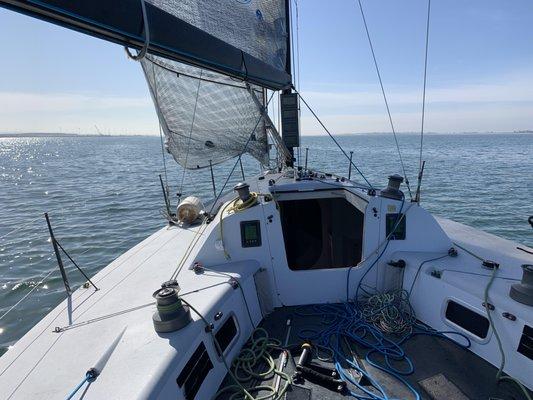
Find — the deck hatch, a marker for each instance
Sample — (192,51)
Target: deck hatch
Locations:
(332,238)
(193,374)
(226,334)
(525,346)
(467,319)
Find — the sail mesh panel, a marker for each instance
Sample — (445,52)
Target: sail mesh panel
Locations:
(205,116)
(257,27)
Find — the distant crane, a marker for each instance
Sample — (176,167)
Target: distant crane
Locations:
(98,130)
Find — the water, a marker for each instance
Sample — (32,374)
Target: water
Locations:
(103,196)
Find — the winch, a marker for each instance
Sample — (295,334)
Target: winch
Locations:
(171,314)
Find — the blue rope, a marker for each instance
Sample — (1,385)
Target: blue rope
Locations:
(347,321)
(396,223)
(90,377)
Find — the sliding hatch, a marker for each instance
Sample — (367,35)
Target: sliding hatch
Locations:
(321,233)
(315,237)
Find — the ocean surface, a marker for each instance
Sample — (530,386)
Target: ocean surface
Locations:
(103,196)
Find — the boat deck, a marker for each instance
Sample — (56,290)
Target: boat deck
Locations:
(465,375)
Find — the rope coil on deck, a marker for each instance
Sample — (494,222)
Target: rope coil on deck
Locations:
(390,312)
(360,323)
(257,351)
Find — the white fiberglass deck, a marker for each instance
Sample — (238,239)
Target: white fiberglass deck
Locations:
(114,324)
(46,364)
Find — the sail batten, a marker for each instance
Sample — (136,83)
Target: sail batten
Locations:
(252,54)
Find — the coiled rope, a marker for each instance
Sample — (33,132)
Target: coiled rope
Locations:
(360,324)
(258,350)
(390,312)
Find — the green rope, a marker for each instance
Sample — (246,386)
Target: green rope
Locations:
(258,350)
(390,312)
(499,375)
(171,307)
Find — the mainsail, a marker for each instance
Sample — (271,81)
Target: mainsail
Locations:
(208,117)
(207,63)
(257,27)
(238,38)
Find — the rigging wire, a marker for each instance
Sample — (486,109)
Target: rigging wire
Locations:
(190,134)
(160,128)
(21,227)
(43,279)
(261,116)
(333,138)
(385,98)
(424,90)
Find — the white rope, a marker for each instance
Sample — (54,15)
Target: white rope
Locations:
(140,55)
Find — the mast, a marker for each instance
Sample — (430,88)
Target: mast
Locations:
(290,110)
(288,64)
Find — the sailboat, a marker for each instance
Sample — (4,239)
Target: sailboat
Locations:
(294,284)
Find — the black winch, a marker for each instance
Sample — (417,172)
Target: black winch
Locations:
(171,314)
(523,291)
(392,191)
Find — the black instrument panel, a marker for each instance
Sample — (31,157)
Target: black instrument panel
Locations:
(251,233)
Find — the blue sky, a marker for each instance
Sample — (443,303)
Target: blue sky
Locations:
(480,74)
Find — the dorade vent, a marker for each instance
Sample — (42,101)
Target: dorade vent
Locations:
(226,334)
(467,319)
(193,374)
(525,346)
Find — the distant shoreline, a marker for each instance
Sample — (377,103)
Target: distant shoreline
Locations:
(74,135)
(51,134)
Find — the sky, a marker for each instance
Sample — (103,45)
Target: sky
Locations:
(480,71)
